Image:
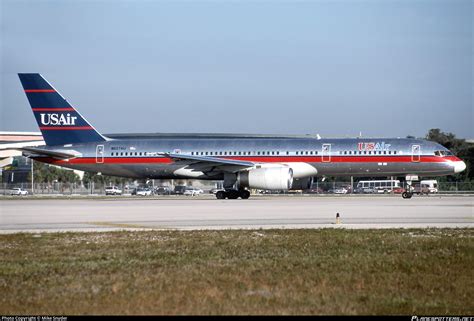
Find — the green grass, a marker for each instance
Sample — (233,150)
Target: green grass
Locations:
(329,271)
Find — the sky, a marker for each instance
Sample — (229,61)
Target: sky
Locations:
(385,68)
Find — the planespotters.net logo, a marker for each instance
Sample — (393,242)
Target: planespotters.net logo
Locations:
(415,318)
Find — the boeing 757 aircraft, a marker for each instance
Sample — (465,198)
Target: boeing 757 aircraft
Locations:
(241,161)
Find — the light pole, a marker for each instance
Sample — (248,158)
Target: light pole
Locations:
(32,178)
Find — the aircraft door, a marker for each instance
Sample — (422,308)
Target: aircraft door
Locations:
(415,153)
(326,153)
(99,154)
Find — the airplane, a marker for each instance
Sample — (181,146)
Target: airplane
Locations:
(243,162)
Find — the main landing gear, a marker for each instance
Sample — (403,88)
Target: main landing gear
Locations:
(233,194)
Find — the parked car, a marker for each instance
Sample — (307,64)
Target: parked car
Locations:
(113,190)
(143,192)
(429,186)
(318,190)
(191,191)
(162,190)
(179,189)
(215,190)
(18,191)
(340,190)
(398,190)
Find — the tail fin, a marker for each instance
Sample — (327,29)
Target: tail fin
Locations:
(58,121)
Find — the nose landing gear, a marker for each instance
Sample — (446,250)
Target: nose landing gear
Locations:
(409,191)
(407,195)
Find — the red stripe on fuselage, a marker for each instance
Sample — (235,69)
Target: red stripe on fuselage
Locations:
(66,128)
(53,109)
(270,159)
(40,91)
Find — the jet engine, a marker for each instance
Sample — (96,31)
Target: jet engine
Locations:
(302,183)
(272,178)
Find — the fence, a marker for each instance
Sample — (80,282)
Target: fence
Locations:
(99,188)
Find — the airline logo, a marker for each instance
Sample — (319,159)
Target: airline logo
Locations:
(372,146)
(54,119)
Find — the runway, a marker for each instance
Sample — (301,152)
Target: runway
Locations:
(193,213)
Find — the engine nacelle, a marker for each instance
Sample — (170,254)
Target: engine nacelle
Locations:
(302,183)
(272,178)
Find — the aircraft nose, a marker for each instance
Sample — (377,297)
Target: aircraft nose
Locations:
(459,166)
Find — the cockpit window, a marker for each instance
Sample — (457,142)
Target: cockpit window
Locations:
(442,153)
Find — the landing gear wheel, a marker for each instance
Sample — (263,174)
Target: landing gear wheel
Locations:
(244,194)
(232,194)
(220,195)
(407,195)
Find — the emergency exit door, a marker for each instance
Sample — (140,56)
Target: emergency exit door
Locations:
(326,153)
(99,154)
(415,153)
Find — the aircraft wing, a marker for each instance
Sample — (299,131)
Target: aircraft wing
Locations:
(205,163)
(38,152)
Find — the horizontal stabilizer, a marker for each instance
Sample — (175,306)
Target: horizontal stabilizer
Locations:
(38,152)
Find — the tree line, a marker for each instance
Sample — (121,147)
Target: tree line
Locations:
(460,148)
